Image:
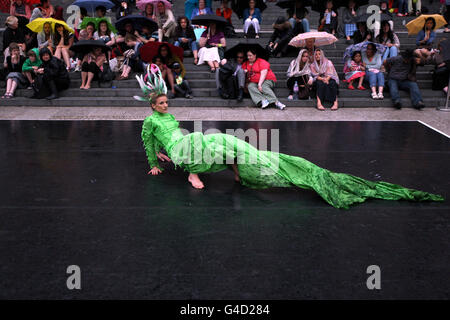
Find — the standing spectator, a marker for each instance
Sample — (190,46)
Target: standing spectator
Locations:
(91,67)
(45,37)
(402,75)
(62,41)
(185,37)
(52,76)
(388,38)
(261,81)
(210,42)
(15,78)
(373,62)
(349,19)
(31,65)
(166,22)
(299,72)
(328,20)
(124,10)
(232,78)
(326,80)
(202,9)
(252,17)
(281,35)
(182,87)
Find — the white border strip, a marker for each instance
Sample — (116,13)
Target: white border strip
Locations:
(427,125)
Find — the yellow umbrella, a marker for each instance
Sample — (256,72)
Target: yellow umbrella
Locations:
(417,24)
(38,24)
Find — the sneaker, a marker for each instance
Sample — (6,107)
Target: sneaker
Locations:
(374,96)
(291,97)
(264,104)
(279,105)
(397,105)
(420,105)
(380,96)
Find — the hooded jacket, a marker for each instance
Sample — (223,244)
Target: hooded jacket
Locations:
(28,65)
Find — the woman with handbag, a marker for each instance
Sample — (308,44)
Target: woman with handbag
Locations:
(211,41)
(299,72)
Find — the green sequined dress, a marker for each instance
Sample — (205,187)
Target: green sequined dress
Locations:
(197,153)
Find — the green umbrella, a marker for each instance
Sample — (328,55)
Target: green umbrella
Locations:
(96,21)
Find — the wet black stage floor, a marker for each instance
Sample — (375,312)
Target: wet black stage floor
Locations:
(77,193)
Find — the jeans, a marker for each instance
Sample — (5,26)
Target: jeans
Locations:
(191,44)
(375,78)
(395,85)
(305,24)
(402,6)
(390,52)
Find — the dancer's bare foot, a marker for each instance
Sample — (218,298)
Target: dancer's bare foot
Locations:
(195,181)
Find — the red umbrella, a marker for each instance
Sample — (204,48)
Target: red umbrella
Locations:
(32,2)
(150,49)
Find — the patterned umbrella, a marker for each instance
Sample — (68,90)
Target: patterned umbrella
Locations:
(141,4)
(362,46)
(321,39)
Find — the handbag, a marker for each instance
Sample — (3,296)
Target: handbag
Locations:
(304,90)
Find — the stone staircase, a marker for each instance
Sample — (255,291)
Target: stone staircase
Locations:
(203,83)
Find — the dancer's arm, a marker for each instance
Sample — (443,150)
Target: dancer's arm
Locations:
(151,146)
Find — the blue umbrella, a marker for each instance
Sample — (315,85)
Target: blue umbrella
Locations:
(137,21)
(90,5)
(362,46)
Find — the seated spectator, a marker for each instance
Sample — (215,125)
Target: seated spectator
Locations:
(45,37)
(91,67)
(47,9)
(441,71)
(146,35)
(79,20)
(224,11)
(31,65)
(279,40)
(15,78)
(362,34)
(12,34)
(20,8)
(373,62)
(231,80)
(148,12)
(166,74)
(88,32)
(169,58)
(261,81)
(426,36)
(166,22)
(402,75)
(299,73)
(252,18)
(329,20)
(298,15)
(132,57)
(388,38)
(210,42)
(123,10)
(52,76)
(326,80)
(354,69)
(100,11)
(62,41)
(349,15)
(36,13)
(202,9)
(185,37)
(103,33)
(310,46)
(182,87)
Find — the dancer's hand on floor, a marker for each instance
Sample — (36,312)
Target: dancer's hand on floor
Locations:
(163,157)
(155,171)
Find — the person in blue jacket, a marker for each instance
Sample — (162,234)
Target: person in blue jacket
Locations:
(252,17)
(190,5)
(426,36)
(202,9)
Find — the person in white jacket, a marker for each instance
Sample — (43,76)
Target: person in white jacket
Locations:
(166,22)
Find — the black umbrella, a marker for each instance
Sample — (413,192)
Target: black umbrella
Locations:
(86,46)
(320,5)
(239,6)
(290,4)
(365,17)
(244,47)
(206,19)
(137,21)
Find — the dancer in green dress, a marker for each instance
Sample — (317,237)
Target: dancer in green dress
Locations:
(197,153)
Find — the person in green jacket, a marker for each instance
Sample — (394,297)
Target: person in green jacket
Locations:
(31,64)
